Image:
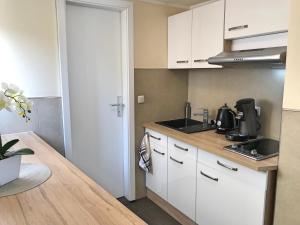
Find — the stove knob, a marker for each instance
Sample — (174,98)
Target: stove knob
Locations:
(253,152)
(234,146)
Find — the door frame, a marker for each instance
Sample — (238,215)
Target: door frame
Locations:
(126,10)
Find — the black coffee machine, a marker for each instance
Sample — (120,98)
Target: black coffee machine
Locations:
(247,121)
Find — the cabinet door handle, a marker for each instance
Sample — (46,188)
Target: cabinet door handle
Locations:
(200,60)
(181,148)
(238,27)
(182,61)
(161,153)
(226,166)
(175,160)
(212,178)
(155,137)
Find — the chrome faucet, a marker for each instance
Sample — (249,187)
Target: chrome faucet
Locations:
(205,115)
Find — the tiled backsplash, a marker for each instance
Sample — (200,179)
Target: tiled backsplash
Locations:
(165,96)
(212,88)
(46,121)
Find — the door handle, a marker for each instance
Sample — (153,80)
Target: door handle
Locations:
(156,138)
(161,153)
(212,178)
(181,148)
(226,166)
(175,160)
(238,27)
(119,106)
(200,60)
(182,61)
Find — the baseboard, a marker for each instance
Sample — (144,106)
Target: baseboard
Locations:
(168,208)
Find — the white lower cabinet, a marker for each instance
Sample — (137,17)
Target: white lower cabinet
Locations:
(157,180)
(226,200)
(207,188)
(182,160)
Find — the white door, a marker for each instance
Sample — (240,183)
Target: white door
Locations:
(180,40)
(182,160)
(207,33)
(227,200)
(244,18)
(157,180)
(95,82)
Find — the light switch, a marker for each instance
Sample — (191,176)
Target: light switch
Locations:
(141,99)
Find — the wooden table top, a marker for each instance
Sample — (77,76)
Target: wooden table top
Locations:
(69,197)
(212,142)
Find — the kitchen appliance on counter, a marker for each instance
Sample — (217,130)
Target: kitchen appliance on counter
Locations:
(247,121)
(187,126)
(258,149)
(225,120)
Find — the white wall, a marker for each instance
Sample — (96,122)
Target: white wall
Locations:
(291,99)
(28,46)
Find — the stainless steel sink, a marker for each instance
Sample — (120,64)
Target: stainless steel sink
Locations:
(187,126)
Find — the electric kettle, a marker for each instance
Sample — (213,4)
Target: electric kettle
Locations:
(225,119)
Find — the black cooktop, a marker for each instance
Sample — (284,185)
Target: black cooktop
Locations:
(257,149)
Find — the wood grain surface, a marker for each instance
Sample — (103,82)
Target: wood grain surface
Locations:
(69,197)
(212,142)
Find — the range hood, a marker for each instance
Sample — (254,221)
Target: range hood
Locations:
(270,57)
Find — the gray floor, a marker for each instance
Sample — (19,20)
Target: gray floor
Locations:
(149,212)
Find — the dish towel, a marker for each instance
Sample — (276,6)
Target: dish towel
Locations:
(145,154)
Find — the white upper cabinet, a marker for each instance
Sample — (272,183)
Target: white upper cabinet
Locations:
(207,33)
(245,18)
(179,40)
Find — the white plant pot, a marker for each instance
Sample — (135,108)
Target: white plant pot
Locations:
(9,169)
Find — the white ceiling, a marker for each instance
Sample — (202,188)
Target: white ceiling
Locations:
(185,3)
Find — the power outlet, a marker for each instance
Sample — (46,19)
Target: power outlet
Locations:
(258,110)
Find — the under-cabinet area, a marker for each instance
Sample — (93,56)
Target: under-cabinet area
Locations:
(195,175)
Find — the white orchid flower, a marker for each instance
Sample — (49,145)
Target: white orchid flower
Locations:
(12,99)
(4,101)
(13,90)
(4,86)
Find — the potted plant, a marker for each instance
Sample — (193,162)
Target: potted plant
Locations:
(12,99)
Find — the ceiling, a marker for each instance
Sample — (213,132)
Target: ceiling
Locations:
(185,3)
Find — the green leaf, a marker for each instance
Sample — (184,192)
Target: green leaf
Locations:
(8,145)
(23,151)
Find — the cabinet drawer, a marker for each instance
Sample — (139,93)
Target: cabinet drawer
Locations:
(157,138)
(249,176)
(181,149)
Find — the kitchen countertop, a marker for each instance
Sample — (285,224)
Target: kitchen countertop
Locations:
(68,197)
(214,143)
